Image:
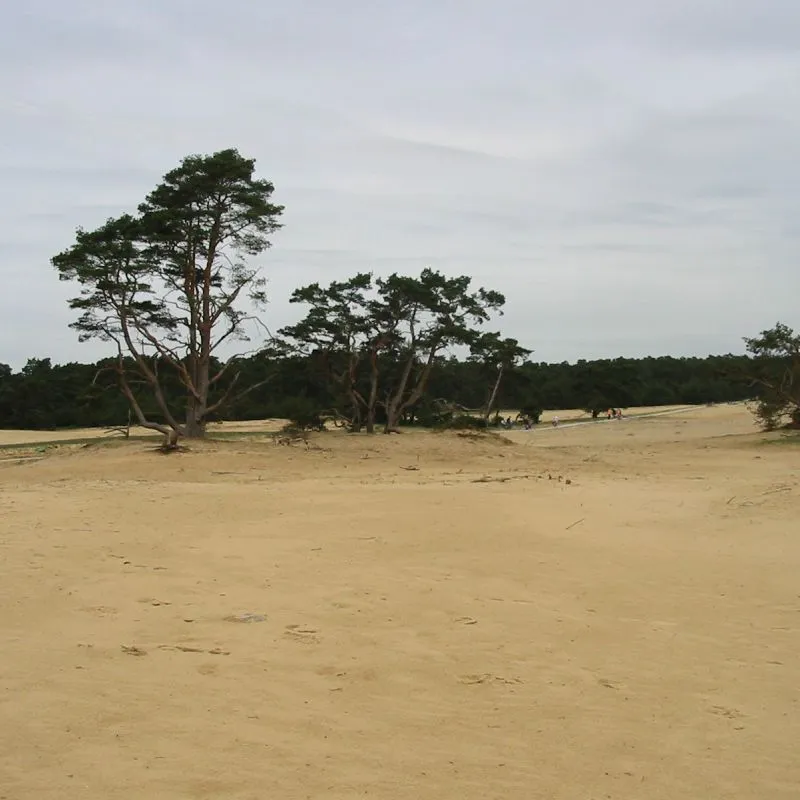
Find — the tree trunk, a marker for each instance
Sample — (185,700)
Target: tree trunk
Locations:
(373,393)
(165,429)
(197,401)
(195,427)
(355,425)
(493,395)
(392,419)
(394,412)
(396,407)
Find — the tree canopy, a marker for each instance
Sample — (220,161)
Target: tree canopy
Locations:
(380,339)
(776,374)
(172,283)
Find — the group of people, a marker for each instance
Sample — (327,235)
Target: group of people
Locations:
(509,423)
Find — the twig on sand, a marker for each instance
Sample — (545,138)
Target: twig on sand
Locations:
(578,522)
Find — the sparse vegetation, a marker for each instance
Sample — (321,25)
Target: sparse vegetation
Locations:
(463,422)
(165,288)
(775,373)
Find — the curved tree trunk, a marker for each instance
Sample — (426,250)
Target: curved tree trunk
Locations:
(493,396)
(372,400)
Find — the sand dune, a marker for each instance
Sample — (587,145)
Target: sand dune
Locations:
(609,610)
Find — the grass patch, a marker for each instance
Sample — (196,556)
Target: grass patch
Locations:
(784,438)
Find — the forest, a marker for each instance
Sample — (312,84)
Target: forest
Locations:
(46,396)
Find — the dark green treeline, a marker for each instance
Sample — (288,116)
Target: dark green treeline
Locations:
(45,396)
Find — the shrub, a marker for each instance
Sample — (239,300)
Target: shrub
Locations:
(533,413)
(304,415)
(463,422)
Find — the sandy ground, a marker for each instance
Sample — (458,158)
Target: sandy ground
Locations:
(603,611)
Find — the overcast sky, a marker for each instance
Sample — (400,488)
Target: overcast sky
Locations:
(626,171)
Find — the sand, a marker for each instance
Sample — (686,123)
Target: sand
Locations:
(603,611)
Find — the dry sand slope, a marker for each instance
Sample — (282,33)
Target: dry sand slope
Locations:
(436,616)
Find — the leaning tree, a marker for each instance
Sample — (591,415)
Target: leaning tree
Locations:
(497,356)
(172,284)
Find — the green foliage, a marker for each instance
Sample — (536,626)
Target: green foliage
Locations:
(776,375)
(338,335)
(378,341)
(304,414)
(432,413)
(497,357)
(165,286)
(418,321)
(466,422)
(44,395)
(532,413)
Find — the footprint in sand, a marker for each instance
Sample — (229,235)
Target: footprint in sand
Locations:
(301,634)
(487,677)
(102,611)
(728,713)
(247,617)
(132,650)
(185,648)
(154,601)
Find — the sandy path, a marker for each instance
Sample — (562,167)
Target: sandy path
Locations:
(631,634)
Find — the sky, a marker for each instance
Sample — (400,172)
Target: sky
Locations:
(626,172)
